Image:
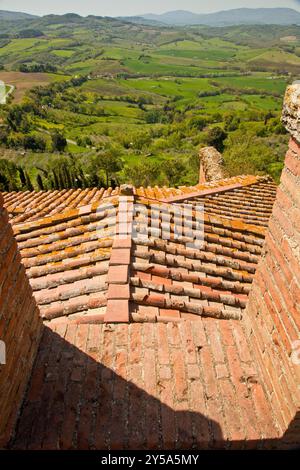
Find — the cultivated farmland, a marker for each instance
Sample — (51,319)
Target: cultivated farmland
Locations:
(147,97)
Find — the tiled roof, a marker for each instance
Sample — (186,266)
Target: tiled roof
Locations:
(171,280)
(28,206)
(79,273)
(32,205)
(252,204)
(66,256)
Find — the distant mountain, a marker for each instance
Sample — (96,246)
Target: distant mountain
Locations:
(248,16)
(175,17)
(142,20)
(15,16)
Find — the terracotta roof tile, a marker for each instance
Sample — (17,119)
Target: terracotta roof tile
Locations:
(75,263)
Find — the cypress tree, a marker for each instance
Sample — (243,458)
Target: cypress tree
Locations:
(40,183)
(55,180)
(28,182)
(68,178)
(82,178)
(22,176)
(61,179)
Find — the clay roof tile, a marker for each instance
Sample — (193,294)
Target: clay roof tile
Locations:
(66,239)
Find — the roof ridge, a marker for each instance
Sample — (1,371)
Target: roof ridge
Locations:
(36,209)
(223,185)
(168,188)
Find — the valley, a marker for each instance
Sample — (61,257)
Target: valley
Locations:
(100,101)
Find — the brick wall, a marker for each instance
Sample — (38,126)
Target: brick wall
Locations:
(273,314)
(20,328)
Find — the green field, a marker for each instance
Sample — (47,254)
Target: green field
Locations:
(151,95)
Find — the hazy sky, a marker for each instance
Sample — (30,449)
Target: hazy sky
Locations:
(133,7)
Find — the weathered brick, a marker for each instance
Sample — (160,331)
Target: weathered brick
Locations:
(283,220)
(173,334)
(165,373)
(232,414)
(191,352)
(122,243)
(288,183)
(90,319)
(119,257)
(180,379)
(193,371)
(117,275)
(215,341)
(20,330)
(136,344)
(272,312)
(117,311)
(241,343)
(162,340)
(221,371)
(93,344)
(168,416)
(175,385)
(294,146)
(118,291)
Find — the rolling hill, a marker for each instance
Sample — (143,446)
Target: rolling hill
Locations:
(279,16)
(15,16)
(150,94)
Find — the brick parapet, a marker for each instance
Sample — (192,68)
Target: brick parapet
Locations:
(20,328)
(272,318)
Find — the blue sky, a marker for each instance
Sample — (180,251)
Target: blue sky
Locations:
(132,7)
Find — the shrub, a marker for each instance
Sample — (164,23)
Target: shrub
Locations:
(59,142)
(9,180)
(216,137)
(35,143)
